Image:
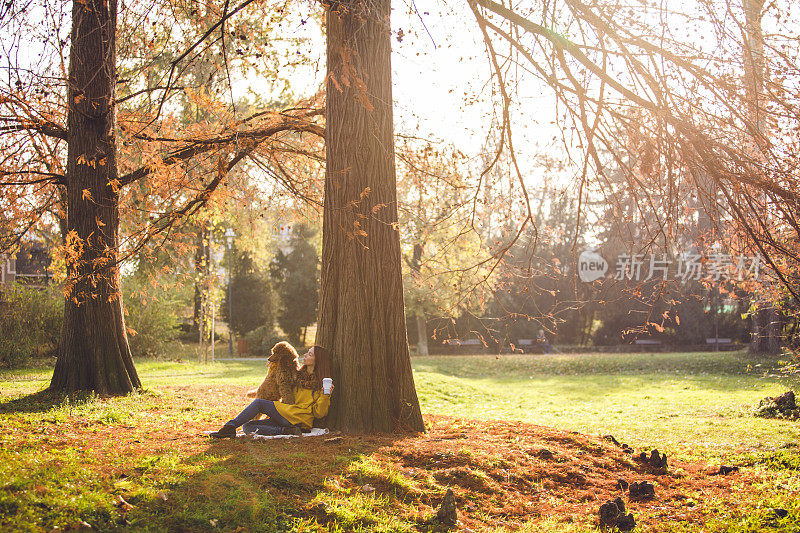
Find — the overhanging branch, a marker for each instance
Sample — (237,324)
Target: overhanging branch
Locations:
(256,136)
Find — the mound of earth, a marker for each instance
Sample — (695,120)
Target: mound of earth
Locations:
(783,406)
(503,474)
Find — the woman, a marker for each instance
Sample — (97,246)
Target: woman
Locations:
(310,402)
(542,341)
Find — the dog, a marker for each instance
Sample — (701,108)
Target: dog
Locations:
(281,375)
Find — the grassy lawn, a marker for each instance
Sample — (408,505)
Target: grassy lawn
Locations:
(689,403)
(143,463)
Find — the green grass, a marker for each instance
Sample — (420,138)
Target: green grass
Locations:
(63,461)
(689,403)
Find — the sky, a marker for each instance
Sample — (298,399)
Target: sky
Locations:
(443,87)
(437,70)
(441,78)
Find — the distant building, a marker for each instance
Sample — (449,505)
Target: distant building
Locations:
(8,269)
(30,265)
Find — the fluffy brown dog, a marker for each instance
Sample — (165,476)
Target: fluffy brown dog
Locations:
(281,375)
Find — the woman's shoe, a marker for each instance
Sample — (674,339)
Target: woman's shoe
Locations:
(225,432)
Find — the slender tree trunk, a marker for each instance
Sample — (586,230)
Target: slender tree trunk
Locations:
(756,335)
(774,330)
(202,287)
(754,65)
(199,256)
(361,315)
(422,329)
(766,330)
(93,352)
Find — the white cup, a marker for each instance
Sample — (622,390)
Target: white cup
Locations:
(327,385)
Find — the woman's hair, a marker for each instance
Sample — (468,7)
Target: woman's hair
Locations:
(322,369)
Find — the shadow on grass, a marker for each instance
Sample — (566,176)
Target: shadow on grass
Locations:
(42,401)
(251,485)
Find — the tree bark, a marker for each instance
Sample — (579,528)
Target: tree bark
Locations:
(774,331)
(361,314)
(93,353)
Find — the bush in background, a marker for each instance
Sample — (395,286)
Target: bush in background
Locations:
(151,314)
(30,323)
(261,340)
(251,294)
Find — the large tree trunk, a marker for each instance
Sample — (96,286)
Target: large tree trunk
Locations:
(361,314)
(93,353)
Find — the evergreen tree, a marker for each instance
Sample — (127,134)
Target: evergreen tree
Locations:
(251,293)
(296,275)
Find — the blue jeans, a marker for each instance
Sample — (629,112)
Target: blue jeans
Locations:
(263,427)
(256,408)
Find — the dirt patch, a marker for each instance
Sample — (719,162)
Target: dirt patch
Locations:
(508,473)
(469,479)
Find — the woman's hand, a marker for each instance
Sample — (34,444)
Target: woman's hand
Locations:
(331,392)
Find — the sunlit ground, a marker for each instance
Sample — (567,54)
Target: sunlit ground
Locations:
(63,463)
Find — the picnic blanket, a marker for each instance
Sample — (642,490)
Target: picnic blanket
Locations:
(315,432)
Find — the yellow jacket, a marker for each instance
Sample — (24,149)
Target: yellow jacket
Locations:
(308,405)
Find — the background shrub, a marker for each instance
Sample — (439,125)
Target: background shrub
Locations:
(261,340)
(30,323)
(151,314)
